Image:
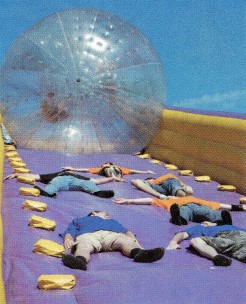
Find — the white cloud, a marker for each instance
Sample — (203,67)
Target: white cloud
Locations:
(227,101)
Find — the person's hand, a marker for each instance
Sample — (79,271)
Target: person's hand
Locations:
(10,176)
(150,172)
(208,224)
(120,201)
(69,243)
(67,168)
(173,246)
(119,179)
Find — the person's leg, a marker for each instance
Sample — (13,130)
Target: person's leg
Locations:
(204,213)
(233,244)
(85,250)
(180,215)
(209,252)
(57,184)
(130,248)
(86,244)
(83,185)
(89,186)
(233,207)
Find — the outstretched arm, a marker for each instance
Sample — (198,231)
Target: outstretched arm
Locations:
(11,176)
(141,185)
(104,180)
(133,201)
(179,237)
(138,171)
(29,175)
(75,169)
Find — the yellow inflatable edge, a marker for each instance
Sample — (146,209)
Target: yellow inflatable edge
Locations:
(2,289)
(207,145)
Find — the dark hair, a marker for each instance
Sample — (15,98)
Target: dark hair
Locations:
(149,178)
(111,164)
(91,213)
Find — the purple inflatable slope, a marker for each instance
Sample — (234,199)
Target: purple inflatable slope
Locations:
(180,277)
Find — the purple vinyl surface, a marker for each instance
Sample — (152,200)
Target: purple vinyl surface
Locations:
(180,277)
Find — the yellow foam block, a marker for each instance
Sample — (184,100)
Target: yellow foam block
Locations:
(11,154)
(203,178)
(243,200)
(170,167)
(146,155)
(41,222)
(29,191)
(18,164)
(186,172)
(157,162)
(14,159)
(229,188)
(25,180)
(34,205)
(48,247)
(9,148)
(56,281)
(21,170)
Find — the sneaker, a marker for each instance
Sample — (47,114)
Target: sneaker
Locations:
(188,190)
(149,256)
(44,193)
(175,215)
(74,262)
(226,217)
(220,260)
(104,193)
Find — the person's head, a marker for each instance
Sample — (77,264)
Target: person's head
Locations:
(51,94)
(107,164)
(101,214)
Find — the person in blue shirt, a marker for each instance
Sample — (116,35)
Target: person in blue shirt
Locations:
(96,232)
(217,243)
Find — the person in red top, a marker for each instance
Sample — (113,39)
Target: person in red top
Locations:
(108,169)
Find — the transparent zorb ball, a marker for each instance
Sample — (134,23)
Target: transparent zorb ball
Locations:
(82,81)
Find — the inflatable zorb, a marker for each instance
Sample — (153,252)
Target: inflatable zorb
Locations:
(82,81)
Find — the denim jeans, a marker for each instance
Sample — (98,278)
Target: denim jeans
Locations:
(70,183)
(168,187)
(198,213)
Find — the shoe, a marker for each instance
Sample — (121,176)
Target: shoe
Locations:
(226,217)
(220,260)
(149,256)
(73,262)
(188,190)
(104,193)
(44,193)
(175,215)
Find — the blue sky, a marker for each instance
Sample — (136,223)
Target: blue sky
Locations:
(201,43)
